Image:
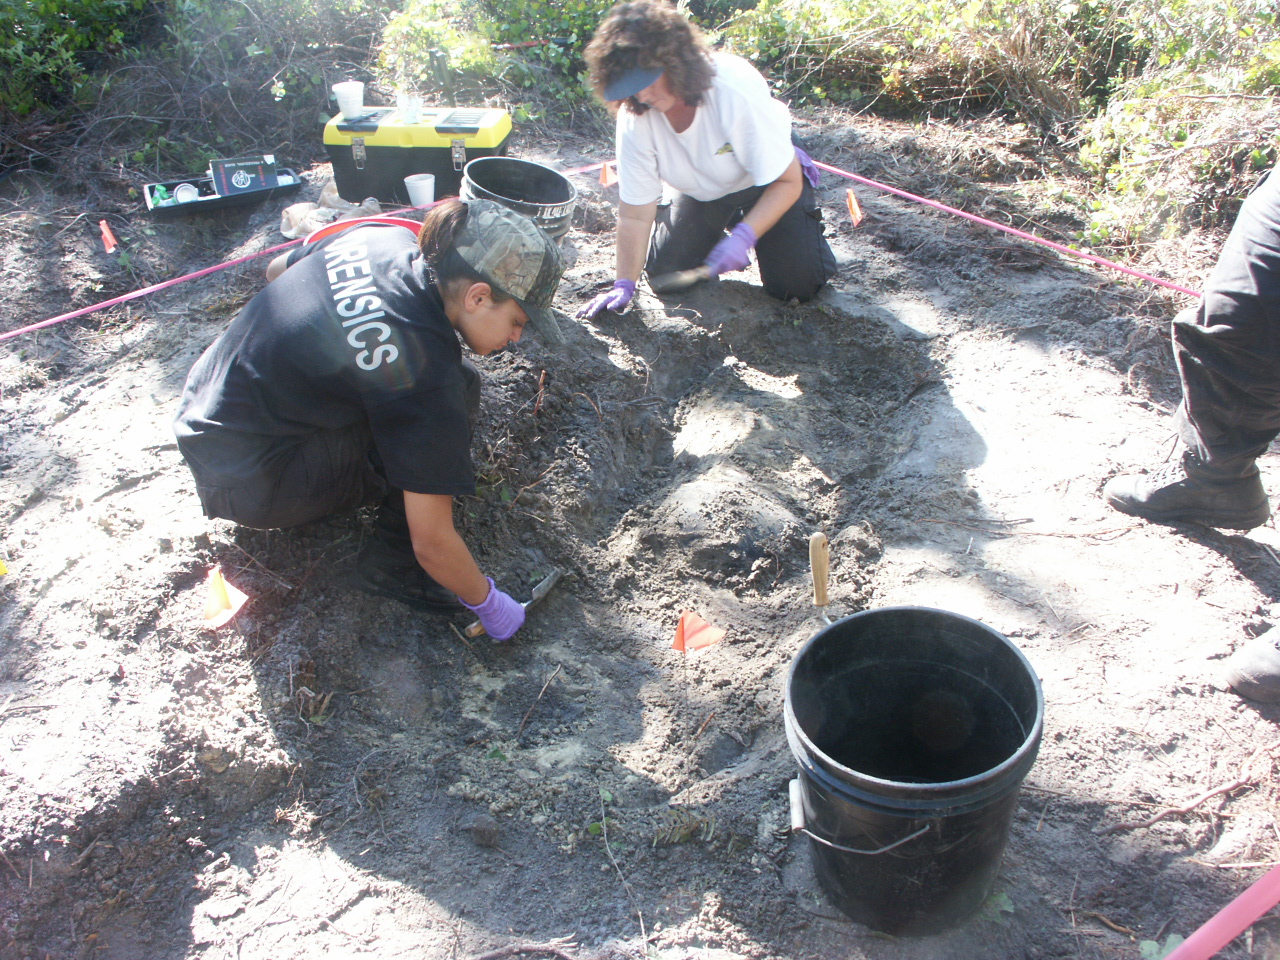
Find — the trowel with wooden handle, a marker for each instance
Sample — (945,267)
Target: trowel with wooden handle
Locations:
(540,591)
(680,280)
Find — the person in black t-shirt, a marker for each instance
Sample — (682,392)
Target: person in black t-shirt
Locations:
(342,384)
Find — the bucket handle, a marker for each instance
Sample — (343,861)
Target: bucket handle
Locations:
(798,826)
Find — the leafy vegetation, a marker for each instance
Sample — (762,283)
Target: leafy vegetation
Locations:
(525,50)
(43,44)
(1044,60)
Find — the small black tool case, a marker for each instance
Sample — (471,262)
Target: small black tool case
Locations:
(373,153)
(287,181)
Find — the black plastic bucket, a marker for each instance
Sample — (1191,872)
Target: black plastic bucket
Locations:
(913,729)
(540,193)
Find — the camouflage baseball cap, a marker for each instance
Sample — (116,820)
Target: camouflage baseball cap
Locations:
(509,251)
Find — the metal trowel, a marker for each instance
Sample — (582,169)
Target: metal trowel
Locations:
(680,280)
(540,591)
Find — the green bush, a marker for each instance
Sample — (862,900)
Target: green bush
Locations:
(43,44)
(1182,140)
(431,44)
(1051,61)
(526,50)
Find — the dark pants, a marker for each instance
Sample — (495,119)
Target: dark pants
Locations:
(306,478)
(1228,347)
(794,258)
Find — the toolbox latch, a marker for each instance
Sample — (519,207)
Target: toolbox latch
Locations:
(357,152)
(459,153)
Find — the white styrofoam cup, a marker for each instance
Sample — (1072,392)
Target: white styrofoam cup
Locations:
(350,94)
(421,187)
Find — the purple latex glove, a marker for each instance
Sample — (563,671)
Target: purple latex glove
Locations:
(732,253)
(500,616)
(615,299)
(809,168)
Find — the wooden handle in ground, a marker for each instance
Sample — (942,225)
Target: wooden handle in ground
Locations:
(820,566)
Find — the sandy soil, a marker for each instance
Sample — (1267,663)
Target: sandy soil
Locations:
(334,774)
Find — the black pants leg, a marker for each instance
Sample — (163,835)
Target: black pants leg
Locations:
(794,257)
(1228,348)
(307,478)
(687,229)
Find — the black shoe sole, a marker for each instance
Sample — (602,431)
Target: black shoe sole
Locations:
(1234,521)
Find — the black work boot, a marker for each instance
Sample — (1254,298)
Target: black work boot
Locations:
(1227,495)
(388,567)
(1253,671)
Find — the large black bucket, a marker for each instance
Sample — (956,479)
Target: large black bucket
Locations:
(913,729)
(540,193)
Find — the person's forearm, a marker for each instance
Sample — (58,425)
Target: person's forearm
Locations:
(449,563)
(779,197)
(635,223)
(439,549)
(277,266)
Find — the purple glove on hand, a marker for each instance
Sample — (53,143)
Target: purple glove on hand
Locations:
(615,299)
(733,252)
(500,616)
(808,167)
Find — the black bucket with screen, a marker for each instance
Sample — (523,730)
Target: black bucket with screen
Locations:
(540,193)
(913,730)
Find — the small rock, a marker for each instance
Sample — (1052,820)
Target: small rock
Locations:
(484,831)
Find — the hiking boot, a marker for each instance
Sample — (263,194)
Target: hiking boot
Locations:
(387,567)
(1188,490)
(1253,671)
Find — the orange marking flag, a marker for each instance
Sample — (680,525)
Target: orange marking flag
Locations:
(224,601)
(694,633)
(855,211)
(609,174)
(108,238)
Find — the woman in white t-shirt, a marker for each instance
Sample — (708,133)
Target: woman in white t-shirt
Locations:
(706,125)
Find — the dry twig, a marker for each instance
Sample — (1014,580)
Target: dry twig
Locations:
(1170,811)
(1242,780)
(537,699)
(1110,924)
(553,948)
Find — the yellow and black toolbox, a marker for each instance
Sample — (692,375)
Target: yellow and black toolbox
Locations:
(373,153)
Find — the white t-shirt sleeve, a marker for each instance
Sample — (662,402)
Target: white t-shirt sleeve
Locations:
(638,179)
(758,126)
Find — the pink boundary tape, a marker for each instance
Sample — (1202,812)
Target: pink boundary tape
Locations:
(1000,226)
(154,288)
(1232,920)
(157,287)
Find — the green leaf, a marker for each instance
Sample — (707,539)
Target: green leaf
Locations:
(495,754)
(997,905)
(1151,950)
(594,829)
(605,795)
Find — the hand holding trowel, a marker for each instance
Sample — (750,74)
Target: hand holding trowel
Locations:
(540,591)
(678,281)
(731,253)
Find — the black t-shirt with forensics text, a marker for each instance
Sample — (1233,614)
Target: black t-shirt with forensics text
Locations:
(354,328)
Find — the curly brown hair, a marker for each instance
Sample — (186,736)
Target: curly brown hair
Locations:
(650,34)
